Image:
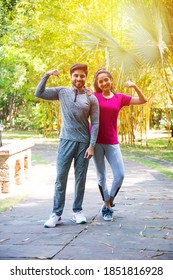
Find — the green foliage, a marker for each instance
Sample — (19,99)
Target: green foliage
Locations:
(6,14)
(37,36)
(30,117)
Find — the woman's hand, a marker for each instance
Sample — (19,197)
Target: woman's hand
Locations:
(129,84)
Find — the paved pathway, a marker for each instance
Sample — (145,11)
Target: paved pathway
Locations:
(142,228)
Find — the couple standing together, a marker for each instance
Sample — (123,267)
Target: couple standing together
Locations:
(80,142)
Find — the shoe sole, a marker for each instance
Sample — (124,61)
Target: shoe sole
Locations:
(48,226)
(52,227)
(82,222)
(110,220)
(59,223)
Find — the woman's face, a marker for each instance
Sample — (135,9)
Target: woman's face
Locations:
(104,82)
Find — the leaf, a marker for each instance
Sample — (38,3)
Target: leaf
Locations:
(3,240)
(157,255)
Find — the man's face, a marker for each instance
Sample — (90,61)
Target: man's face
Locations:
(78,78)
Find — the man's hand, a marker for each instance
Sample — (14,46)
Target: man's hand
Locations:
(88,91)
(89,152)
(54,72)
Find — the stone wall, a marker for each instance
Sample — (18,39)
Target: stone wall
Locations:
(15,163)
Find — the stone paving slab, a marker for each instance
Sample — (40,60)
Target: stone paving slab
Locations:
(142,228)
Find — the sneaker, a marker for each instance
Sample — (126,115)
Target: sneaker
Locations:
(78,218)
(108,216)
(103,210)
(53,221)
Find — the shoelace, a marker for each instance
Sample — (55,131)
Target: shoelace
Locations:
(109,211)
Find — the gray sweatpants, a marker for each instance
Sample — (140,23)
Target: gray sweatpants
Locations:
(67,151)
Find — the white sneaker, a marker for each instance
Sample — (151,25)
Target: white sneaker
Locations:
(78,218)
(53,221)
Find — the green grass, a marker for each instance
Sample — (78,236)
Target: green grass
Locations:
(20,135)
(162,169)
(10,202)
(39,160)
(158,148)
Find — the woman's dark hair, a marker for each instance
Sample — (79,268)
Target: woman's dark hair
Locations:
(100,71)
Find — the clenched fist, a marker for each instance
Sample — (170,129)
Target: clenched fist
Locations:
(54,72)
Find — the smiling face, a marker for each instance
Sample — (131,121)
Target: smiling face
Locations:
(78,78)
(104,82)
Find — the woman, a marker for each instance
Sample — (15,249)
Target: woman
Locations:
(107,145)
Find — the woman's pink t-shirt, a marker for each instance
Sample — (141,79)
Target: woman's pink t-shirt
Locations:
(109,110)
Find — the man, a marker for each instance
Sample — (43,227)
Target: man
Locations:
(76,143)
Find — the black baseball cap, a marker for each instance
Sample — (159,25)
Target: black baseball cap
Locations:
(79,66)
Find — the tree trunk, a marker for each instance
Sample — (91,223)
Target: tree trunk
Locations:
(11,109)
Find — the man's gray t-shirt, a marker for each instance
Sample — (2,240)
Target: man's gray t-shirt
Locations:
(76,110)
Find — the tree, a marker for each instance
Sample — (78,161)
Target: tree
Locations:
(144,46)
(40,35)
